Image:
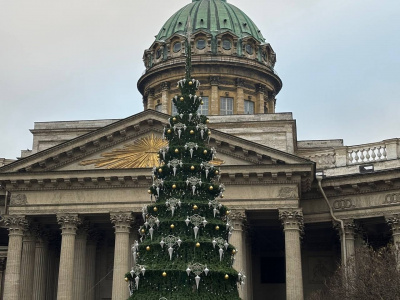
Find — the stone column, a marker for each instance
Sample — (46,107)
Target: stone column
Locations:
(394,223)
(349,230)
(16,227)
(214,98)
(165,103)
(90,265)
(41,263)
(122,224)
(239,96)
(68,223)
(259,105)
(28,263)
(238,239)
(292,220)
(150,99)
(3,261)
(80,262)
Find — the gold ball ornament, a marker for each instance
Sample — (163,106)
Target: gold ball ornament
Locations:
(158,155)
(148,248)
(142,231)
(159,170)
(192,168)
(191,131)
(169,131)
(126,279)
(209,132)
(195,207)
(202,102)
(222,196)
(174,186)
(211,188)
(181,98)
(190,82)
(207,121)
(205,151)
(149,191)
(172,226)
(227,212)
(216,172)
(164,274)
(233,251)
(197,244)
(217,227)
(174,119)
(226,276)
(155,208)
(176,150)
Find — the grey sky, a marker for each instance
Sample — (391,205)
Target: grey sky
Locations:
(70,60)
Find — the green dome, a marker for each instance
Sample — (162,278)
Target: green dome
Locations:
(212,16)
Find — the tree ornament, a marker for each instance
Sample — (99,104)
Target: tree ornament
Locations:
(195,207)
(197,244)
(190,83)
(148,248)
(217,227)
(216,172)
(227,212)
(155,208)
(169,131)
(158,155)
(181,98)
(126,279)
(174,186)
(211,188)
(207,121)
(209,132)
(205,151)
(172,226)
(226,276)
(233,251)
(176,150)
(149,191)
(201,102)
(222,196)
(142,230)
(191,131)
(174,119)
(192,168)
(164,274)
(159,170)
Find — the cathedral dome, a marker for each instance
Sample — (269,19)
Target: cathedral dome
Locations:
(211,16)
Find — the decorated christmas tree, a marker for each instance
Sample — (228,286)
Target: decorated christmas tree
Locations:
(184,250)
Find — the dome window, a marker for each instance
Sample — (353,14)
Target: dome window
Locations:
(201,44)
(249,49)
(158,53)
(177,47)
(226,44)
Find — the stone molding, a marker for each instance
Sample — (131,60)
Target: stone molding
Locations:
(122,221)
(394,223)
(69,223)
(292,218)
(17,224)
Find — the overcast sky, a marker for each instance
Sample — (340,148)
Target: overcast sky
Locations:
(339,61)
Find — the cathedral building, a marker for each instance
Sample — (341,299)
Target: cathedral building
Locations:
(71,206)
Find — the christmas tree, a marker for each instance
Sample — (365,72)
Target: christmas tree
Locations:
(184,250)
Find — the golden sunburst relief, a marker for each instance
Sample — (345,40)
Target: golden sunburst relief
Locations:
(142,153)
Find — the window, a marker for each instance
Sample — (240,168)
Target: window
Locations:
(174,110)
(159,107)
(177,47)
(226,44)
(248,107)
(158,53)
(226,107)
(249,49)
(203,109)
(201,44)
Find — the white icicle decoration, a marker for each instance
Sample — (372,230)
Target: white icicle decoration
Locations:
(151,230)
(221,252)
(191,115)
(174,169)
(197,281)
(202,133)
(215,211)
(191,153)
(188,271)
(179,133)
(170,251)
(193,189)
(162,243)
(196,230)
(137,282)
(214,242)
(207,173)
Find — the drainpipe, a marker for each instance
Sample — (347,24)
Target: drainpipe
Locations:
(319,179)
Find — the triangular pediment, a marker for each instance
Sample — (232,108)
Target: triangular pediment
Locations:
(133,143)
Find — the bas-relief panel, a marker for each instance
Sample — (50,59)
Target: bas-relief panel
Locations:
(260,192)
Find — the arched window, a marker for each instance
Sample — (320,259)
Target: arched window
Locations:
(158,53)
(177,47)
(201,44)
(226,44)
(249,49)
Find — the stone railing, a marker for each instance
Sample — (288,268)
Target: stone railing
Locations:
(342,156)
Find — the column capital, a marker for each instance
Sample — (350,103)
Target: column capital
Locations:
(261,88)
(165,86)
(350,228)
(17,224)
(214,80)
(122,221)
(292,218)
(69,223)
(394,222)
(149,92)
(239,82)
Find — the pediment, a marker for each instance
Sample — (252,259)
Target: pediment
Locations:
(134,142)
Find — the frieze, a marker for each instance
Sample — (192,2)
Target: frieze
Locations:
(392,199)
(342,204)
(18,200)
(287,192)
